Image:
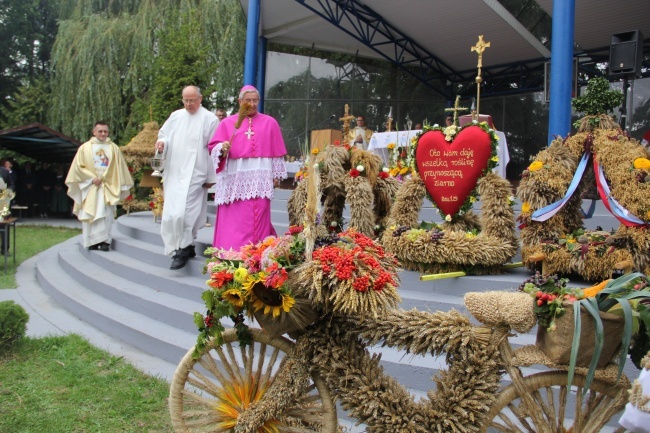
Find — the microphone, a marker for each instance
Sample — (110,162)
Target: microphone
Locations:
(333,116)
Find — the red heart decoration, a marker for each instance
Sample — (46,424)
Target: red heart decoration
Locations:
(450,171)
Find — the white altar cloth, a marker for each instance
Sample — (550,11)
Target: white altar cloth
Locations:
(293,167)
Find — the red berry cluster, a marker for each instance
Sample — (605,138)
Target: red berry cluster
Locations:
(382,280)
(361,284)
(543,298)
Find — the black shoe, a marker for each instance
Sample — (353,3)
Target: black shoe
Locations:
(93,247)
(191,251)
(104,246)
(180,259)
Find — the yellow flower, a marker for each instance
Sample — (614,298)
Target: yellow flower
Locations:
(404,170)
(525,207)
(394,171)
(642,164)
(448,218)
(472,199)
(495,158)
(315,151)
(234,296)
(240,275)
(391,146)
(251,280)
(536,166)
(470,235)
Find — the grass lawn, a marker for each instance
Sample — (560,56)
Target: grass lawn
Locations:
(31,240)
(65,385)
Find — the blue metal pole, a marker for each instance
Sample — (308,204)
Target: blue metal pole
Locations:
(261,71)
(252,28)
(559,122)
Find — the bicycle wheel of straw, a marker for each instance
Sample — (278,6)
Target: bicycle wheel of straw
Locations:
(558,408)
(209,393)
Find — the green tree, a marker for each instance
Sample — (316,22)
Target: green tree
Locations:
(27,105)
(126,61)
(27,29)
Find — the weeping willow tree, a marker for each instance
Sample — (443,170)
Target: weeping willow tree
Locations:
(126,61)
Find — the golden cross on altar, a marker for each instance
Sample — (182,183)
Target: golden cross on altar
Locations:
(456,109)
(480,46)
(346,121)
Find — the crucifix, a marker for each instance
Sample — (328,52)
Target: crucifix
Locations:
(346,121)
(480,46)
(250,129)
(456,109)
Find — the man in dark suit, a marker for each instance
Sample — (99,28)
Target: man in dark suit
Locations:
(26,193)
(7,183)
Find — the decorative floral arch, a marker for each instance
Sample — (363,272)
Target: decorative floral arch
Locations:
(352,175)
(551,192)
(464,242)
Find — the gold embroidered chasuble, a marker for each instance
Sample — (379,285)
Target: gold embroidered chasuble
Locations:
(115,187)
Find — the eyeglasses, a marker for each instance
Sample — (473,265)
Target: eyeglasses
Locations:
(251,101)
(189,101)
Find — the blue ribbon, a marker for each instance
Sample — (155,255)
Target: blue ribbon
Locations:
(549,210)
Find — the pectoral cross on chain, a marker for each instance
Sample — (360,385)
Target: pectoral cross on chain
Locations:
(250,131)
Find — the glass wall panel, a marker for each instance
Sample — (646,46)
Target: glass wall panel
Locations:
(306,93)
(292,117)
(287,76)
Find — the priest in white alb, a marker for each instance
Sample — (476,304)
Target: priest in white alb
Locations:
(188,172)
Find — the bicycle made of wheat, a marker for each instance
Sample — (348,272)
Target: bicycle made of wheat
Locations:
(292,384)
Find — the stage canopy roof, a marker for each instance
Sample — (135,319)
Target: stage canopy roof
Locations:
(438,34)
(40,143)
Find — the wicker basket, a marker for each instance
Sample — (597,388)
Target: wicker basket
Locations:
(557,344)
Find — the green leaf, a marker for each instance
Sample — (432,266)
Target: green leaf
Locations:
(627,335)
(198,320)
(592,307)
(576,341)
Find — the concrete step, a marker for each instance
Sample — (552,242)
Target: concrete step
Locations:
(155,337)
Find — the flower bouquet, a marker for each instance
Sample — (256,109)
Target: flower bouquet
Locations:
(574,323)
(271,281)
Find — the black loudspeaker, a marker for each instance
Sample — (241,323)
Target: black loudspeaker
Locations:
(626,53)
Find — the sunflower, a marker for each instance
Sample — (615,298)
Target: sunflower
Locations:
(270,300)
(536,165)
(234,296)
(251,280)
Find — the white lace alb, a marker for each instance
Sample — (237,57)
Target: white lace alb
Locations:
(246,178)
